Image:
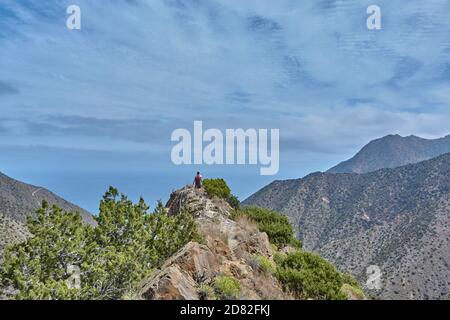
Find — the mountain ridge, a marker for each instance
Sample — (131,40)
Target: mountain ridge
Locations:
(393,151)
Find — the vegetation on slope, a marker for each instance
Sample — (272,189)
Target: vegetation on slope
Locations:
(276,225)
(227,288)
(306,275)
(219,188)
(309,276)
(125,246)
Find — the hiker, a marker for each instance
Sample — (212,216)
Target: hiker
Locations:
(198,180)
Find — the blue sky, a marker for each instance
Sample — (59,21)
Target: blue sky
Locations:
(80,110)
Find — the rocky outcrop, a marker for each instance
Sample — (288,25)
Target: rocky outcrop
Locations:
(228,249)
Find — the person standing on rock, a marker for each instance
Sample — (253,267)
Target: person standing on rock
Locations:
(198,180)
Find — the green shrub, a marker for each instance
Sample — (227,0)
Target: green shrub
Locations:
(206,292)
(227,288)
(217,188)
(276,225)
(353,291)
(347,278)
(125,246)
(308,276)
(262,264)
(234,202)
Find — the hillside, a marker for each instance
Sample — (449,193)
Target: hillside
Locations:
(398,219)
(393,151)
(197,247)
(17,200)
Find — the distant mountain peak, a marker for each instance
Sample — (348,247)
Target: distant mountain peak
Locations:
(393,151)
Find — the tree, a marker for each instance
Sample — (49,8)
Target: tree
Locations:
(37,268)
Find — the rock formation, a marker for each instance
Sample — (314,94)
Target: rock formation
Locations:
(227,251)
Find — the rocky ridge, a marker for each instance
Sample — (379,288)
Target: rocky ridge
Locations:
(227,250)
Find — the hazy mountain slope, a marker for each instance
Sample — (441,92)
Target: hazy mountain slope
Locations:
(11,231)
(398,219)
(393,151)
(18,199)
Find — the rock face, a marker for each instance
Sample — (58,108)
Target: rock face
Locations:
(397,219)
(227,251)
(393,151)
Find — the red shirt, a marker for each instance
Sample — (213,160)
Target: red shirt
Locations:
(198,181)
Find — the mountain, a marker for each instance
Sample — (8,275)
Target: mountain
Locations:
(18,200)
(393,151)
(397,219)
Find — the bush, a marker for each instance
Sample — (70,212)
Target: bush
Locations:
(262,264)
(308,276)
(353,291)
(276,225)
(227,288)
(124,247)
(217,188)
(348,279)
(206,292)
(234,202)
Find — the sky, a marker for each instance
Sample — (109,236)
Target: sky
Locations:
(84,109)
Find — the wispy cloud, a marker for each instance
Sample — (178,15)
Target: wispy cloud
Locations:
(139,69)
(6,88)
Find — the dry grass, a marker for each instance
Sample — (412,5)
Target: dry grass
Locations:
(268,288)
(214,232)
(247,224)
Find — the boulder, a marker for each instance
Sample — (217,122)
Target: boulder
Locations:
(169,284)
